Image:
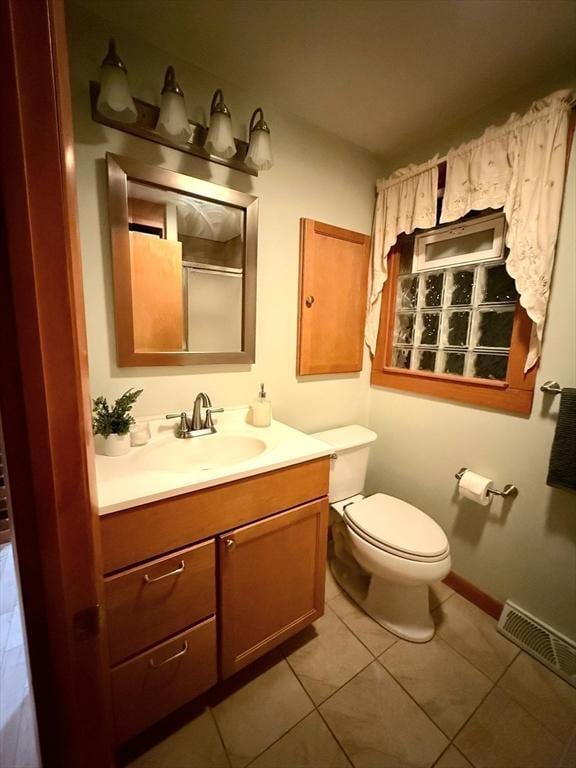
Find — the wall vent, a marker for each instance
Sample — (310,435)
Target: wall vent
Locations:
(554,650)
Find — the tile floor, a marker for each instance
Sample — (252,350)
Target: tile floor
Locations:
(17,725)
(348,693)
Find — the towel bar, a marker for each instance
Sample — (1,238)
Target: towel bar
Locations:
(552,387)
(507,492)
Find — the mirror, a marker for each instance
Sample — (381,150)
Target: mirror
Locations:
(184,259)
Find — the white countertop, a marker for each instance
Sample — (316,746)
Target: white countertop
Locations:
(162,469)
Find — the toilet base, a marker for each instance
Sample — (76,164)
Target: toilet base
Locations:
(402,609)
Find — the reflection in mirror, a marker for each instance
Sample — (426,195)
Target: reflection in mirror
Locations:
(184,267)
(197,258)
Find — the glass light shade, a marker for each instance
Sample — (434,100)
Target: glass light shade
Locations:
(115,100)
(173,122)
(259,155)
(220,140)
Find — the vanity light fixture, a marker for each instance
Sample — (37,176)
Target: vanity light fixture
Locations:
(112,105)
(115,100)
(259,155)
(220,139)
(173,121)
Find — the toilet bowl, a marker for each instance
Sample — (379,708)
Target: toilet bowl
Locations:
(384,552)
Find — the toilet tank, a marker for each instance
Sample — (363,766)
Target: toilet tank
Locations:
(348,470)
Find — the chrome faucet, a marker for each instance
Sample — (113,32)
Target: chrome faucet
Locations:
(195,427)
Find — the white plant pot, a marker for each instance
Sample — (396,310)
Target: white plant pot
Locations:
(116,445)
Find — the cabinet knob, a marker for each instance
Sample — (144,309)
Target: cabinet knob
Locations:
(309,301)
(230,543)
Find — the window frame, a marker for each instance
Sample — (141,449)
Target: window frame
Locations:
(513,394)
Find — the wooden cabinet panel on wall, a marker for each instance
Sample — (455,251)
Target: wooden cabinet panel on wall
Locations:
(334,266)
(271,582)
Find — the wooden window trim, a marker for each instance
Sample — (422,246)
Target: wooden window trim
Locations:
(514,394)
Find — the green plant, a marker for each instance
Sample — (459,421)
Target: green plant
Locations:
(115,420)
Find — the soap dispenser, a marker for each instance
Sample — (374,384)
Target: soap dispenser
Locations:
(261,410)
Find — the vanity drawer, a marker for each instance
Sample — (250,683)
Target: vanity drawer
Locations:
(137,534)
(164,678)
(155,600)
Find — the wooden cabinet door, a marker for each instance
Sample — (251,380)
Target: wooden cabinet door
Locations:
(333,296)
(157,315)
(271,582)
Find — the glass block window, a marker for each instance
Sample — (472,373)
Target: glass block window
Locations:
(455,320)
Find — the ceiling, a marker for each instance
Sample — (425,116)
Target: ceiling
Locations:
(383,74)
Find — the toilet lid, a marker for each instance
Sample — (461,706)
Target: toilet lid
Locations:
(398,526)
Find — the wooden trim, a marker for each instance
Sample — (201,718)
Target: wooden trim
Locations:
(514,395)
(44,392)
(320,228)
(480,599)
(124,169)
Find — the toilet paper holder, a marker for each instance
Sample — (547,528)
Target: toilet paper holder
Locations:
(509,491)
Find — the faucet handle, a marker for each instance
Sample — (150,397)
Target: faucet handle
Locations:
(208,423)
(184,427)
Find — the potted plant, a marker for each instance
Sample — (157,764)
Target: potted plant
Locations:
(113,423)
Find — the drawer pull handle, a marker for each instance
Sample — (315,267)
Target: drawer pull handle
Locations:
(230,544)
(170,658)
(175,572)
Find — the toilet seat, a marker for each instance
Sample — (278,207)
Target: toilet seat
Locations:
(396,527)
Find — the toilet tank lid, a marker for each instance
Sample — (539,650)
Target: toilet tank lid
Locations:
(345,438)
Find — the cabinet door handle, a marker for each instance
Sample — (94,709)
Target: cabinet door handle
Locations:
(309,301)
(230,544)
(175,572)
(153,664)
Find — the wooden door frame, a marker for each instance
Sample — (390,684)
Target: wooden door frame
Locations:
(44,393)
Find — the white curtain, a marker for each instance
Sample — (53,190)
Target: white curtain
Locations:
(518,166)
(405,202)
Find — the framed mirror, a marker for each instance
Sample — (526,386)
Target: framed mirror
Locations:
(184,266)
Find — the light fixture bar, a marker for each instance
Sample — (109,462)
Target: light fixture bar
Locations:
(146,123)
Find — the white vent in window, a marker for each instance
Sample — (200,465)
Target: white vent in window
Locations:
(554,650)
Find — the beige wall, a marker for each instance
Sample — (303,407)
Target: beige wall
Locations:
(524,551)
(315,175)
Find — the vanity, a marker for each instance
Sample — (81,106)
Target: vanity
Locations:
(213,552)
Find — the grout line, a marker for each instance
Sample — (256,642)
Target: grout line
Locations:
(407,692)
(285,733)
(357,636)
(213,716)
(335,737)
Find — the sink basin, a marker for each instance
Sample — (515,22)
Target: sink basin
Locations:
(198,453)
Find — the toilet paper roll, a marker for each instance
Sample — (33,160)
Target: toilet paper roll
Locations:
(475,487)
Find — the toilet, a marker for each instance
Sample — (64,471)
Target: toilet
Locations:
(383,552)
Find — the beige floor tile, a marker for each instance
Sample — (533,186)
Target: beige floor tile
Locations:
(543,694)
(196,745)
(332,587)
(326,656)
(501,734)
(370,633)
(452,758)
(439,592)
(379,725)
(443,683)
(308,745)
(473,633)
(255,715)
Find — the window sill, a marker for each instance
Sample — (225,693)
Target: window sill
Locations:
(499,395)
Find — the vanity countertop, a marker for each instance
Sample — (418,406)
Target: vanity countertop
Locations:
(169,466)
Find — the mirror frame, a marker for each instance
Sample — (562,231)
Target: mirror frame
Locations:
(121,170)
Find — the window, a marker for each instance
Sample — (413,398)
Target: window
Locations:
(457,331)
